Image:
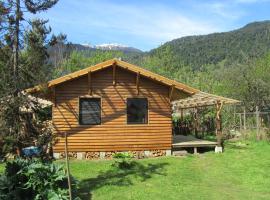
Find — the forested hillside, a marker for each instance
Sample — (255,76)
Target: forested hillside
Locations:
(251,41)
(234,64)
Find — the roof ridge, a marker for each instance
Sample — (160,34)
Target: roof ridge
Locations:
(120,63)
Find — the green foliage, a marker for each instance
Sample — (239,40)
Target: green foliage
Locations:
(81,59)
(35,54)
(123,160)
(250,82)
(196,51)
(33,179)
(23,64)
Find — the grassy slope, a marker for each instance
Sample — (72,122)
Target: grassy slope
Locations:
(242,172)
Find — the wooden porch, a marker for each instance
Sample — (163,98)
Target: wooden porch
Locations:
(181,141)
(200,99)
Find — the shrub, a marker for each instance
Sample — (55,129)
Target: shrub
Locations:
(33,179)
(123,160)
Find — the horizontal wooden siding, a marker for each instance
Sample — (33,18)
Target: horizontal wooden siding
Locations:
(113,134)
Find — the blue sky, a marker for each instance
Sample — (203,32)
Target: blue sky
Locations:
(148,24)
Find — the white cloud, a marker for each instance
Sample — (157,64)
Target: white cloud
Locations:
(226,10)
(154,22)
(136,23)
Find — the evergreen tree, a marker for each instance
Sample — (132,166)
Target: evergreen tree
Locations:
(23,63)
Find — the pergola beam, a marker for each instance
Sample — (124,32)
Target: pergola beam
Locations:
(202,99)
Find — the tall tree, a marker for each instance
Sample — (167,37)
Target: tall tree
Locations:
(23,61)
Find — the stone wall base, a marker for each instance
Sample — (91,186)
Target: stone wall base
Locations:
(109,154)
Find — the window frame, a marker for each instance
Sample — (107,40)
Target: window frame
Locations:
(147,110)
(80,116)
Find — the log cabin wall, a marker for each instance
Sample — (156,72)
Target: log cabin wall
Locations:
(113,134)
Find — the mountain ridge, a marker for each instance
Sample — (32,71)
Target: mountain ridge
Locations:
(252,40)
(236,46)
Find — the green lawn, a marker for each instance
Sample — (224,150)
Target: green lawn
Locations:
(242,172)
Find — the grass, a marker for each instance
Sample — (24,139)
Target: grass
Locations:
(241,172)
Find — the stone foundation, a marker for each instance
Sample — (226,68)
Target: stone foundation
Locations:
(218,149)
(109,154)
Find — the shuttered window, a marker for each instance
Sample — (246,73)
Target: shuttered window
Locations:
(137,111)
(90,111)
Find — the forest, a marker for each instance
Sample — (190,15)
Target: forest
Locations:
(233,64)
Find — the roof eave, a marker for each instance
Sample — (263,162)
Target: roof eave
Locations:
(124,65)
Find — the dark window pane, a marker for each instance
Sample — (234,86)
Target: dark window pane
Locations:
(90,111)
(137,111)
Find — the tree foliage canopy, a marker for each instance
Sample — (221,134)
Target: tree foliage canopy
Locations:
(23,63)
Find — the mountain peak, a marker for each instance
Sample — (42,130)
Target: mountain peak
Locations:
(110,46)
(116,47)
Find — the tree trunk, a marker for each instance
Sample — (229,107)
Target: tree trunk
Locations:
(16,47)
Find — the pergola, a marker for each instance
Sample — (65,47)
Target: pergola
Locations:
(203,99)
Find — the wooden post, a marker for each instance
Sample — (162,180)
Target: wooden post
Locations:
(219,123)
(234,116)
(114,74)
(240,122)
(244,118)
(181,124)
(195,150)
(89,83)
(196,122)
(67,166)
(137,82)
(171,92)
(257,123)
(182,116)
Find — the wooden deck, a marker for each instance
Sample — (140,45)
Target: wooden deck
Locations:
(190,141)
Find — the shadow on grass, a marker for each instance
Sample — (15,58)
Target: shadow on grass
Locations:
(119,177)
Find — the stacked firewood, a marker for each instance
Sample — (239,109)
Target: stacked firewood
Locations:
(138,154)
(109,154)
(157,153)
(70,155)
(92,155)
(62,155)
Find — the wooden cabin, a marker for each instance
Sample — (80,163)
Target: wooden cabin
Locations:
(111,107)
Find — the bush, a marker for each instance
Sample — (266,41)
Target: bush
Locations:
(123,160)
(33,179)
